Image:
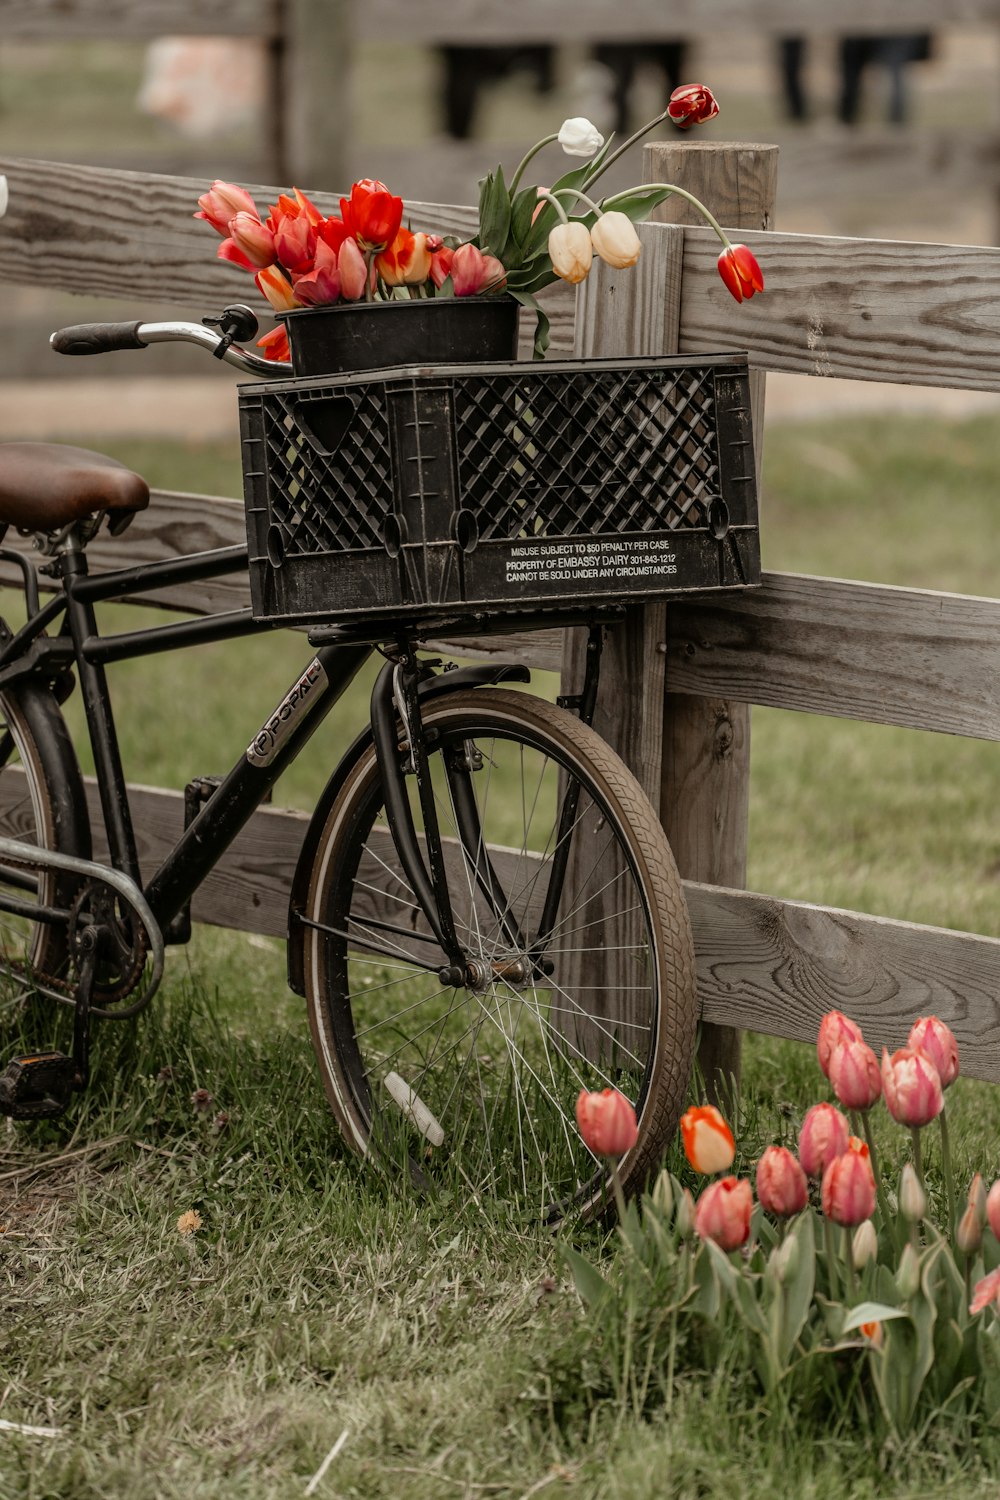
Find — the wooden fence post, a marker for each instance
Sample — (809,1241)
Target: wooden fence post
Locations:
(704,794)
(316,89)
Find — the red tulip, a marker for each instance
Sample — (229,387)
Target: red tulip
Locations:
(739,270)
(912,1087)
(321,285)
(223,202)
(781,1183)
(723,1213)
(708,1140)
(372,214)
(607,1122)
(834,1030)
(853,1071)
(824,1135)
(275,344)
(936,1041)
(441,259)
(848,1191)
(254,239)
(692,104)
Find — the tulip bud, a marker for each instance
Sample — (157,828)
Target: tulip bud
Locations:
(692,104)
(684,1222)
(708,1140)
(784,1260)
(253,238)
(663,1194)
(969,1234)
(912,1198)
(615,240)
(578,137)
(993,1208)
(908,1273)
(571,251)
(864,1245)
(977,1199)
(737,265)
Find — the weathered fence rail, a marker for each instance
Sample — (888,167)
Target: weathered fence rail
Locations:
(854,308)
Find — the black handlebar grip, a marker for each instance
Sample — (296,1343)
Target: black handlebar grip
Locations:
(97,338)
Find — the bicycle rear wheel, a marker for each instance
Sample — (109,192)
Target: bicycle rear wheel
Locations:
(41,806)
(594,990)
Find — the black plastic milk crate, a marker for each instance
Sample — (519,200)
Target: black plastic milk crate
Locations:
(477,491)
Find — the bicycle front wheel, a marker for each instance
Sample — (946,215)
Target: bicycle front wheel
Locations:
(579,962)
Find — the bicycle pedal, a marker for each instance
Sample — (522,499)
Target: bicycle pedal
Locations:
(38,1086)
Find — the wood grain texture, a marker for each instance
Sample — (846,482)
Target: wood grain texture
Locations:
(780,964)
(80,20)
(504,21)
(854,650)
(921,314)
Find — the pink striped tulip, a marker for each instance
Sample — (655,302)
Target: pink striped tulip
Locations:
(835,1029)
(853,1071)
(723,1213)
(781,1183)
(824,1135)
(936,1041)
(607,1122)
(993,1208)
(848,1191)
(912,1087)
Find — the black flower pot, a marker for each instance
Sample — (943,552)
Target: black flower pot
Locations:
(351,336)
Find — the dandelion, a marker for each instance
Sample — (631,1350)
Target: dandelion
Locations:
(189,1222)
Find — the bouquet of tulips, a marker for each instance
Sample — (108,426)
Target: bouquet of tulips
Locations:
(828,1273)
(528,236)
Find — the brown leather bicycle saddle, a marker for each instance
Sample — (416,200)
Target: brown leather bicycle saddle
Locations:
(45,486)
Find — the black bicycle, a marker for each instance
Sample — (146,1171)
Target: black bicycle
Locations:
(485,918)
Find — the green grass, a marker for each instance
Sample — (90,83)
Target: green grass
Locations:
(439,1334)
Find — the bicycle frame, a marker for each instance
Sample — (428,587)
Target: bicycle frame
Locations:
(32,654)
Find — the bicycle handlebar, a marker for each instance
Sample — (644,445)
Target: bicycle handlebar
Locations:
(104,338)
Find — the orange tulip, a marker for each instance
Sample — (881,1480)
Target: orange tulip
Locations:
(708,1140)
(275,345)
(276,289)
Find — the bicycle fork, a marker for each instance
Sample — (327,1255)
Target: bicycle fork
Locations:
(396,700)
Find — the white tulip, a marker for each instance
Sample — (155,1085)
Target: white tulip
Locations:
(578,137)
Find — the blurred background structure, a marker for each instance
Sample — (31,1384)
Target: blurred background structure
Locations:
(881,134)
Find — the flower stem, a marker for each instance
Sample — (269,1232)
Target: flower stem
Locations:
(669,188)
(852,1275)
(519,169)
(949,1179)
(831,1255)
(883,1201)
(917,1161)
(548,197)
(561,192)
(616,1189)
(626,145)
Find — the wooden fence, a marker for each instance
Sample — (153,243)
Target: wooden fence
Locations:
(872,310)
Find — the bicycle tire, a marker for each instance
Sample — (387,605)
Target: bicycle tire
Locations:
(41,804)
(516,1050)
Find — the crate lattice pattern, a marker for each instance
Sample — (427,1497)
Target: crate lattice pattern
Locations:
(633,453)
(536,457)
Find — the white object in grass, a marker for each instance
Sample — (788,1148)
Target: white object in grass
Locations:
(414,1108)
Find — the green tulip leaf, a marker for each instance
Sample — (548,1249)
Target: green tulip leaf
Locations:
(494,213)
(590,1284)
(522,211)
(871,1312)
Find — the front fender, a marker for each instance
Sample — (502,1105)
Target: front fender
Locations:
(434,687)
